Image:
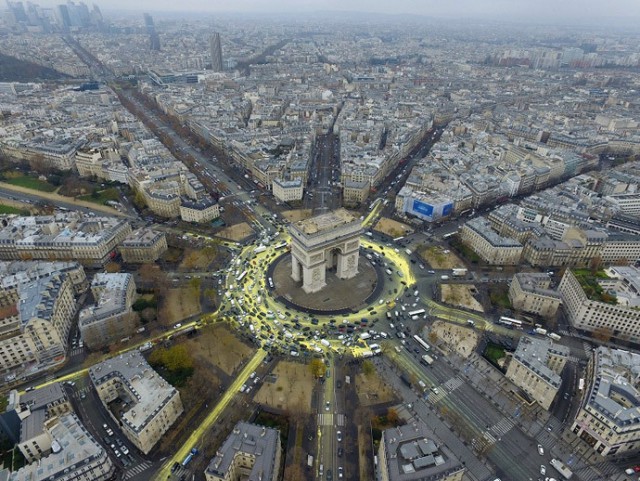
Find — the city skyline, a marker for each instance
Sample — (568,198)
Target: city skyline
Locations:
(572,11)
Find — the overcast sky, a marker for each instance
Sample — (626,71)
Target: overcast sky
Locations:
(514,9)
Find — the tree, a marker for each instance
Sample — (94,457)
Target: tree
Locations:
(368,368)
(392,416)
(317,368)
(595,264)
(602,334)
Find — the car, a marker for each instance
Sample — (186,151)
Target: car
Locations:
(327,406)
(540,450)
(177,326)
(124,450)
(339,436)
(636,469)
(340,472)
(340,452)
(329,475)
(543,469)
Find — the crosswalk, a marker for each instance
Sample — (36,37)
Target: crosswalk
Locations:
(325,419)
(143,466)
(575,359)
(453,384)
(80,392)
(76,351)
(502,427)
(435,398)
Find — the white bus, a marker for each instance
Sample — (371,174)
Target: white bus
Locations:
(422,342)
(417,312)
(242,276)
(280,246)
(450,234)
(509,322)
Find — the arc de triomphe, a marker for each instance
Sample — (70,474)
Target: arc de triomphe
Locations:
(324,242)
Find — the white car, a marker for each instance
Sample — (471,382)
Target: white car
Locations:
(540,450)
(543,469)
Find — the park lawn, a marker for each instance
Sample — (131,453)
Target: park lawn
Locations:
(31,183)
(373,390)
(102,196)
(180,304)
(219,347)
(7,209)
(292,389)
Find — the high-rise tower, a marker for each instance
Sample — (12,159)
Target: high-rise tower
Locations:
(216,53)
(154,39)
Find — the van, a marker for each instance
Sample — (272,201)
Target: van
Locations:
(321,471)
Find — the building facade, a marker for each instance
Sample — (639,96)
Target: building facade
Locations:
(287,190)
(608,418)
(355,193)
(143,246)
(490,246)
(536,368)
(111,317)
(531,292)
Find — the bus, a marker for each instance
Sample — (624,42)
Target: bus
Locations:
(422,342)
(398,239)
(450,234)
(581,384)
(417,312)
(280,246)
(509,322)
(242,276)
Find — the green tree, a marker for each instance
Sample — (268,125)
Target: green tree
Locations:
(317,368)
(368,369)
(178,358)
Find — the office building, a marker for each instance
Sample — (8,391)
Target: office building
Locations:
(199,211)
(216,53)
(250,452)
(608,418)
(287,190)
(143,246)
(608,306)
(111,317)
(413,453)
(536,367)
(531,292)
(153,405)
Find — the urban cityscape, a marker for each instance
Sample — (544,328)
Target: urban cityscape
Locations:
(306,242)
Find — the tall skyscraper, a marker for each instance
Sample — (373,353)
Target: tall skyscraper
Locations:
(216,53)
(154,39)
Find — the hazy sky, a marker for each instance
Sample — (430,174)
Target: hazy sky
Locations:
(515,9)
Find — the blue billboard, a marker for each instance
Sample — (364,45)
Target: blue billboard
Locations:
(422,209)
(447,210)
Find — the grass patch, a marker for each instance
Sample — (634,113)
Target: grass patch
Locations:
(594,291)
(31,183)
(493,353)
(499,297)
(102,196)
(7,209)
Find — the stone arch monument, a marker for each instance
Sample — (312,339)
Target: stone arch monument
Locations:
(327,241)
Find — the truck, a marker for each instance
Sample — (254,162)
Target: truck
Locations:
(365,335)
(190,456)
(460,272)
(259,249)
(426,360)
(541,331)
(561,468)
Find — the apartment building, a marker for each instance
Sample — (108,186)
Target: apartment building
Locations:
(153,404)
(38,412)
(111,317)
(14,273)
(249,452)
(143,246)
(68,237)
(494,249)
(199,211)
(163,203)
(531,292)
(355,193)
(287,190)
(412,453)
(608,418)
(536,366)
(74,455)
(36,318)
(591,313)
